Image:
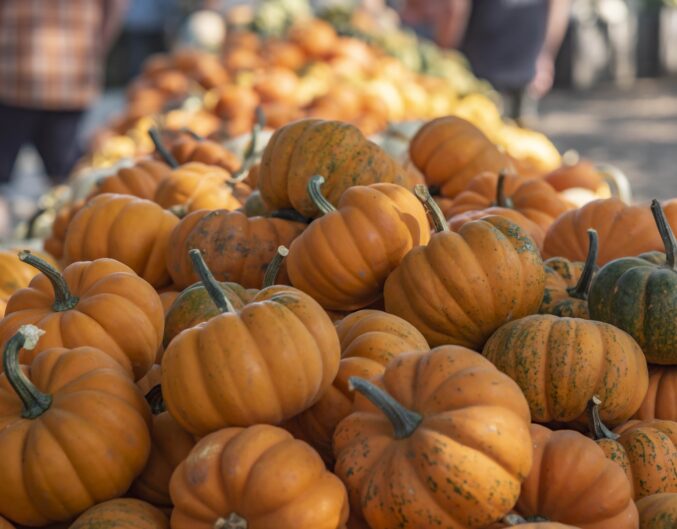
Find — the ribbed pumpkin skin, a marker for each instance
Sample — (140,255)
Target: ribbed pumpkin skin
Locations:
(560,275)
(118,312)
(122,513)
(54,243)
(282,340)
(369,340)
(235,247)
(170,444)
(640,298)
(572,482)
(187,149)
(462,466)
(338,151)
(86,448)
(535,525)
(462,286)
(344,257)
(150,379)
(450,151)
(623,230)
(140,180)
(658,511)
(261,473)
(131,230)
(661,398)
(15,274)
(560,363)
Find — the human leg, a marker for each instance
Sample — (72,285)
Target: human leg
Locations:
(56,142)
(17,126)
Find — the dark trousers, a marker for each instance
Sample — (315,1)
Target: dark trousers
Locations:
(51,132)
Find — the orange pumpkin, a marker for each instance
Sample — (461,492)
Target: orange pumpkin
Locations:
(234,102)
(256,478)
(277,84)
(445,438)
(338,151)
(101,304)
(122,513)
(14,274)
(192,148)
(282,340)
(131,230)
(369,340)
(4,524)
(582,174)
(343,258)
(560,363)
(450,151)
(316,37)
(572,482)
(168,297)
(658,511)
(150,379)
(54,243)
(661,398)
(462,286)
(236,248)
(140,180)
(73,431)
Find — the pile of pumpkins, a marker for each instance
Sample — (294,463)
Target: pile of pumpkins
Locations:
(329,339)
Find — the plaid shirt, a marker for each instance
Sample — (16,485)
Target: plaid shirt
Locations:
(49,53)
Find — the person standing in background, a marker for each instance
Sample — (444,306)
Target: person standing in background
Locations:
(51,62)
(510,43)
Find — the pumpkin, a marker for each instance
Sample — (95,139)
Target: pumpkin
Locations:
(131,230)
(441,435)
(646,451)
(256,477)
(4,524)
(89,304)
(14,274)
(369,340)
(640,297)
(236,248)
(661,398)
(567,284)
(192,148)
(316,37)
(233,102)
(450,151)
(344,257)
(462,286)
(122,513)
(150,379)
(140,180)
(623,230)
(167,297)
(582,174)
(515,520)
(170,445)
(336,150)
(54,243)
(658,511)
(73,431)
(282,340)
(572,482)
(560,363)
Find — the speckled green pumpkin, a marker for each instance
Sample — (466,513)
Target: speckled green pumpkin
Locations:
(639,295)
(658,511)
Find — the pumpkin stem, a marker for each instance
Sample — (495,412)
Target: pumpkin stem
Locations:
(513,519)
(315,193)
(404,421)
(63,299)
(155,399)
(211,285)
(192,133)
(233,521)
(35,403)
(580,291)
(501,200)
(667,234)
(289,214)
(250,153)
(161,148)
(273,270)
(598,428)
(431,207)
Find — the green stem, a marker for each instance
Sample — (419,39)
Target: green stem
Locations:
(192,133)
(155,400)
(580,291)
(289,214)
(597,427)
(211,285)
(63,299)
(233,521)
(250,153)
(667,234)
(501,200)
(316,196)
(404,421)
(35,403)
(273,270)
(162,149)
(431,207)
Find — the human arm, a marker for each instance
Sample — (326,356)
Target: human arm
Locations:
(450,21)
(556,28)
(113,16)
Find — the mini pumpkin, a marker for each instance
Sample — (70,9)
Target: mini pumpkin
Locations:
(131,230)
(14,274)
(640,297)
(140,180)
(462,286)
(560,363)
(343,258)
(256,477)
(89,304)
(661,398)
(567,283)
(658,511)
(55,242)
(441,436)
(122,513)
(193,148)
(73,431)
